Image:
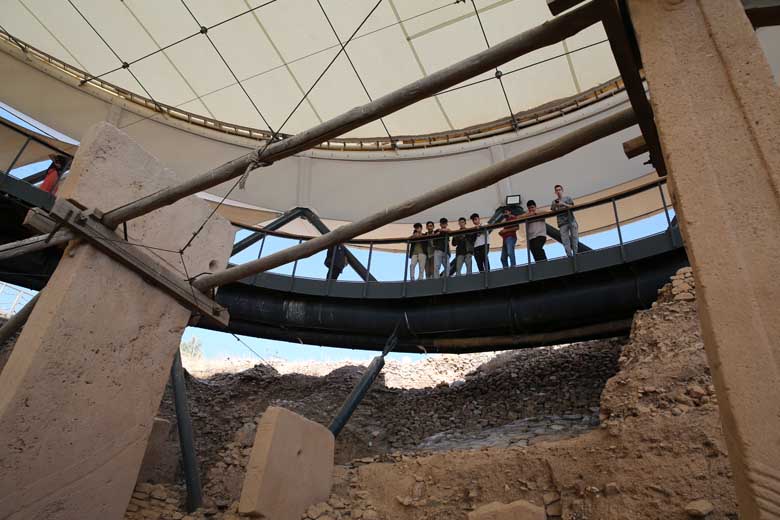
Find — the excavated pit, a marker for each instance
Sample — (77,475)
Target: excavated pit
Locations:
(613,429)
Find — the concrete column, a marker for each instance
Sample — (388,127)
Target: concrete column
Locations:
(80,391)
(717,108)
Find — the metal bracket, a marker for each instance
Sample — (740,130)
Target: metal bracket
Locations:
(86,224)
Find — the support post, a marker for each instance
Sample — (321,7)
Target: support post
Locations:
(717,109)
(189,458)
(80,390)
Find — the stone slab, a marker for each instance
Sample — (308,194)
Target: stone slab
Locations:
(290,468)
(80,391)
(717,109)
(162,458)
(518,510)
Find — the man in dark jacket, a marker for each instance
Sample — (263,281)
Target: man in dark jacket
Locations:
(335,261)
(464,248)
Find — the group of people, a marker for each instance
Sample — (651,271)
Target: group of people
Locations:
(429,251)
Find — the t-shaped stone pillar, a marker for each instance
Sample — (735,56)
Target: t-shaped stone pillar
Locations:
(717,108)
(79,393)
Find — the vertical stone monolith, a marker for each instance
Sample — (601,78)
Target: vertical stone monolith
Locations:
(717,109)
(80,391)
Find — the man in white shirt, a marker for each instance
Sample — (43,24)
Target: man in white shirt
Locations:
(535,233)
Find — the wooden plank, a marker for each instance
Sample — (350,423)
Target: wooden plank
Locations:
(634,147)
(36,243)
(558,6)
(137,259)
(629,71)
(762,13)
(481,179)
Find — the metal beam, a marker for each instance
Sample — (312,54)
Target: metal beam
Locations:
(623,49)
(189,458)
(353,261)
(257,236)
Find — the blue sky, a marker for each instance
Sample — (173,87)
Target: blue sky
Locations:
(385,266)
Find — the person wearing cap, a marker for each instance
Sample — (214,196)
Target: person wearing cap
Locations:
(53,173)
(535,233)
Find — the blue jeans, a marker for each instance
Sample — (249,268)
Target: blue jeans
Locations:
(508,252)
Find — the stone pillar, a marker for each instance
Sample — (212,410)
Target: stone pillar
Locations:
(80,391)
(717,109)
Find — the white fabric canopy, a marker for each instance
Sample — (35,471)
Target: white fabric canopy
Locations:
(277,52)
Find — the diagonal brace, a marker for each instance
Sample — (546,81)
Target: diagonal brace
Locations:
(86,225)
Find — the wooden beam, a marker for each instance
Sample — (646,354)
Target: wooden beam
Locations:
(134,257)
(634,147)
(558,6)
(36,243)
(762,13)
(549,33)
(481,179)
(628,65)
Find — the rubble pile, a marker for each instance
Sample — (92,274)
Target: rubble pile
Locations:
(514,398)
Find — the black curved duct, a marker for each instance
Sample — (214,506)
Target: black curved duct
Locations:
(586,305)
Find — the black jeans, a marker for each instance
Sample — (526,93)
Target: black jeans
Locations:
(536,245)
(480,255)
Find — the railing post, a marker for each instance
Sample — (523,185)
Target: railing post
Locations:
(19,154)
(486,261)
(620,234)
(528,253)
(406,269)
(573,254)
(368,269)
(666,212)
(295,268)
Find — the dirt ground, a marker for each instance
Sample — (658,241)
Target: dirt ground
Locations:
(604,430)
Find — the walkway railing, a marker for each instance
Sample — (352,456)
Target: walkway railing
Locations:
(633,214)
(12,299)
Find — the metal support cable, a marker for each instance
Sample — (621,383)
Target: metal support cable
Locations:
(524,67)
(125,65)
(362,84)
(276,67)
(276,133)
(205,32)
(498,72)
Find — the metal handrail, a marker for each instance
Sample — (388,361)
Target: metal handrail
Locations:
(408,241)
(489,227)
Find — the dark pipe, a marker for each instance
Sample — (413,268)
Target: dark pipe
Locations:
(186,438)
(357,395)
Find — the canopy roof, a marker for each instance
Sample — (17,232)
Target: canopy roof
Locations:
(257,59)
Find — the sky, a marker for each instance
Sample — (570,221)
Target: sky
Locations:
(385,266)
